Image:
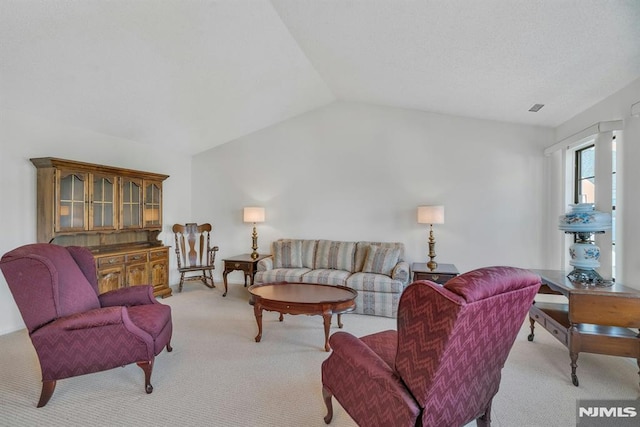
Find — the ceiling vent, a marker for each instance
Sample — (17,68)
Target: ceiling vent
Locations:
(536,107)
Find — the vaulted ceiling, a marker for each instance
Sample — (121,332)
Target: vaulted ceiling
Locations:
(194,74)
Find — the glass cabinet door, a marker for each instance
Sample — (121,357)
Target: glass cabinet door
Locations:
(71,206)
(103,206)
(131,203)
(152,204)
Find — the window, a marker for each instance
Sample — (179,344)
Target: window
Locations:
(585,163)
(613,202)
(585,184)
(585,175)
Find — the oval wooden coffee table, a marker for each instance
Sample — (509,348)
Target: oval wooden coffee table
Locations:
(302,298)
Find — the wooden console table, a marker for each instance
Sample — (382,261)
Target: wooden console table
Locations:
(594,320)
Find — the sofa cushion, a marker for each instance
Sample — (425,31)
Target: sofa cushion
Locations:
(335,255)
(151,318)
(327,276)
(362,249)
(374,283)
(287,254)
(377,303)
(380,260)
(308,253)
(280,275)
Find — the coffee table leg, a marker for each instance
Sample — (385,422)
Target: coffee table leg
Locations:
(257,310)
(326,316)
(340,321)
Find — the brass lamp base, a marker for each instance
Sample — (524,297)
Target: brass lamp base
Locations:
(254,238)
(432,265)
(588,277)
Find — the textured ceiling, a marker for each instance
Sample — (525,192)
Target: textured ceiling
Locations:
(194,74)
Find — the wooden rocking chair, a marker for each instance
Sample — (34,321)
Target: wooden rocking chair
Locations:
(194,252)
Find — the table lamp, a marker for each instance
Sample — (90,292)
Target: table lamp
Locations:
(584,221)
(254,214)
(431,215)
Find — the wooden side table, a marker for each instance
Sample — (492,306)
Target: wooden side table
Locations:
(440,275)
(244,263)
(601,320)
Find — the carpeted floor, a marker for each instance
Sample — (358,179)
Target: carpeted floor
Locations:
(218,376)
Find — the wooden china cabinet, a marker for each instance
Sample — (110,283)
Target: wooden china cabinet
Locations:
(115,212)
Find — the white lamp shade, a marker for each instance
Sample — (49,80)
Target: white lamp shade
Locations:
(430,214)
(253,214)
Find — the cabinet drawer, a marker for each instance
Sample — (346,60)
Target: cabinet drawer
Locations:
(136,267)
(137,257)
(237,265)
(249,268)
(538,316)
(552,317)
(434,277)
(110,260)
(158,255)
(244,267)
(558,331)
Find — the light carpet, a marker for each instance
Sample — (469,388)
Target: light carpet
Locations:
(217,375)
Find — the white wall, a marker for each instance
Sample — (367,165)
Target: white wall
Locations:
(22,138)
(356,172)
(618,107)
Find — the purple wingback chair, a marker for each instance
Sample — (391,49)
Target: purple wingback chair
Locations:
(442,366)
(74,330)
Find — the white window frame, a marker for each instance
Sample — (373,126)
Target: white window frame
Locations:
(601,136)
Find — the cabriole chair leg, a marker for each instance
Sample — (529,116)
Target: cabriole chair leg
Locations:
(326,394)
(47,391)
(147,367)
(485,420)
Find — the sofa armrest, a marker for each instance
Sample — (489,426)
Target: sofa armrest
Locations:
(130,296)
(401,272)
(265,264)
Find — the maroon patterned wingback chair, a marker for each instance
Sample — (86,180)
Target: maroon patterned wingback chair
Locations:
(74,330)
(442,366)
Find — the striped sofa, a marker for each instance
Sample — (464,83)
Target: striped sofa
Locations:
(377,270)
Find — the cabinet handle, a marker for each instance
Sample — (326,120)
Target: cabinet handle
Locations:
(435,277)
(237,265)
